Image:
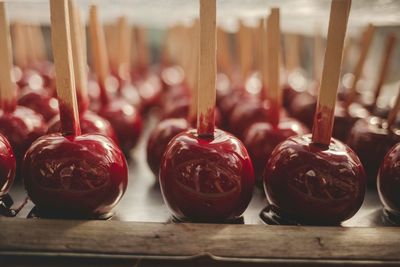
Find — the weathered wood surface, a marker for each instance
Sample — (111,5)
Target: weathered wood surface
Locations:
(257,243)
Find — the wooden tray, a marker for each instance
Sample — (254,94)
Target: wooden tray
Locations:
(141,234)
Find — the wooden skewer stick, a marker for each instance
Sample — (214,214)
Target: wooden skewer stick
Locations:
(99,53)
(258,44)
(264,56)
(20,43)
(292,45)
(318,55)
(32,51)
(82,27)
(112,46)
(8,91)
(224,58)
(62,53)
(273,51)
(124,54)
(143,55)
(134,48)
(207,69)
(390,42)
(39,42)
(323,119)
(393,113)
(245,51)
(77,52)
(366,44)
(194,69)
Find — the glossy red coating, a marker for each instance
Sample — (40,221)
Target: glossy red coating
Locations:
(288,94)
(314,185)
(125,120)
(345,119)
(159,138)
(83,176)
(21,128)
(228,102)
(246,113)
(262,137)
(90,123)
(7,166)
(40,101)
(389,181)
(303,107)
(206,179)
(371,140)
(149,90)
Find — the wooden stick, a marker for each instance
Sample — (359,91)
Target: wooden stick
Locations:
(99,53)
(323,119)
(318,55)
(77,52)
(292,53)
(193,71)
(264,55)
(366,44)
(61,43)
(124,55)
(31,45)
(273,52)
(39,42)
(224,58)
(82,27)
(258,45)
(112,46)
(20,43)
(243,40)
(208,68)
(8,91)
(393,113)
(143,55)
(390,42)
(134,48)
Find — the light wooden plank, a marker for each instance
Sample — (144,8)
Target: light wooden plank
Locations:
(219,240)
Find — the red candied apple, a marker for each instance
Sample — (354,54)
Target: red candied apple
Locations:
(371,139)
(313,184)
(40,101)
(30,78)
(149,90)
(201,180)
(388,181)
(69,174)
(303,108)
(90,123)
(262,137)
(227,103)
(21,126)
(206,174)
(315,179)
(124,118)
(7,166)
(159,138)
(345,118)
(246,113)
(82,176)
